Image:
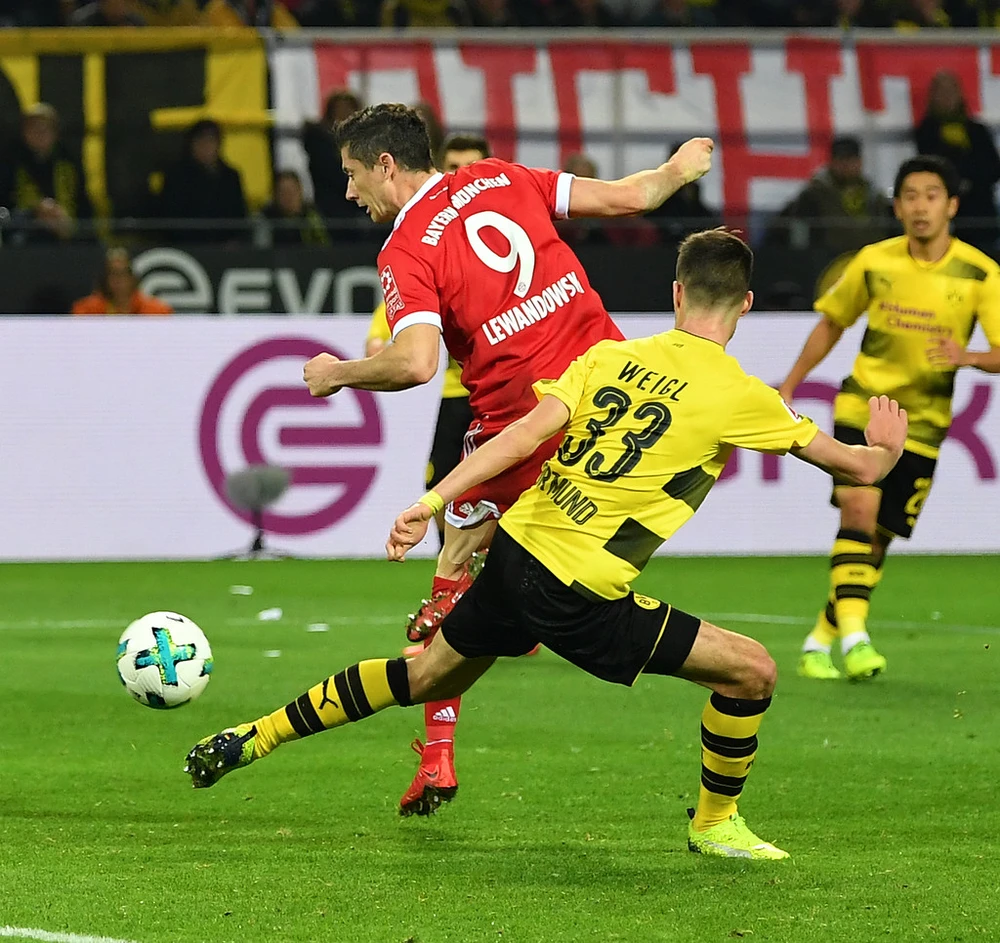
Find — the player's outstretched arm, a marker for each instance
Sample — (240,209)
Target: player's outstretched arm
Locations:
(411,360)
(515,443)
(644,191)
(862,464)
(945,352)
(819,343)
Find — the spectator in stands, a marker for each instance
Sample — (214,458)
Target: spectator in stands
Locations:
(460,150)
(982,13)
(289,220)
(948,131)
(328,178)
(679,13)
(489,13)
(202,187)
(683,214)
(227,13)
(839,210)
(423,14)
(920,14)
(118,292)
(338,13)
(592,14)
(106,13)
(168,12)
(435,131)
(41,184)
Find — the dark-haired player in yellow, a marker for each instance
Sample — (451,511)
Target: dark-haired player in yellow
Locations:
(922,293)
(649,425)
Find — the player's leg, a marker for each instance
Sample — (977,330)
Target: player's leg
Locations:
(353,694)
(852,576)
(741,675)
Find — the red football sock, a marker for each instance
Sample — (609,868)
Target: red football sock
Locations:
(441,585)
(440,717)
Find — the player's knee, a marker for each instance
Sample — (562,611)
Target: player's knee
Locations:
(760,675)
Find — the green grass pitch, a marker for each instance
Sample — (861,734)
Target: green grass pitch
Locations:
(570,821)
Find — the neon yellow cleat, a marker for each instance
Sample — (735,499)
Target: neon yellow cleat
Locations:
(863,662)
(210,759)
(732,839)
(817,665)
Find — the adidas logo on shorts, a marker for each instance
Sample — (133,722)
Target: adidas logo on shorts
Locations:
(446,716)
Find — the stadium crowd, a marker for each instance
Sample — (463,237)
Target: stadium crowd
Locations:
(401,14)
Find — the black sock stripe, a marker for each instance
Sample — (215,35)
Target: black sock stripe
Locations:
(831,613)
(722,785)
(731,747)
(309,714)
(858,536)
(358,690)
(739,706)
(851,591)
(295,719)
(398,677)
(845,559)
(344,693)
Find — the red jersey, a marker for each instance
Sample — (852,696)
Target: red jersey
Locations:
(475,253)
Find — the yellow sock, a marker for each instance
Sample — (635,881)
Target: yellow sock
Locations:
(825,631)
(728,746)
(354,693)
(852,575)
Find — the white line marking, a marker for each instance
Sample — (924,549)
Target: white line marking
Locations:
(29,933)
(763,618)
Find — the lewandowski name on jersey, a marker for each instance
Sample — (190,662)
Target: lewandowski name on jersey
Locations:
(476,254)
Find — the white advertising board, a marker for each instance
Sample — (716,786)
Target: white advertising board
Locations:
(116,437)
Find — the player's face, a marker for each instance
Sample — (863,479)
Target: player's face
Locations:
(924,207)
(369,187)
(455,159)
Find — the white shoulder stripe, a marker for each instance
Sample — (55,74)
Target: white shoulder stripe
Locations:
(416,317)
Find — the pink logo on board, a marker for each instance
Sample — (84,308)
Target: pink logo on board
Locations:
(326,491)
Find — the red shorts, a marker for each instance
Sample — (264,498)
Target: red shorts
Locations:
(493,498)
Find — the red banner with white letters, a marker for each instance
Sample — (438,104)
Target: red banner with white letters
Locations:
(772,107)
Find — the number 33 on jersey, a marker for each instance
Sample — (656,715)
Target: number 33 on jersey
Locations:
(475,253)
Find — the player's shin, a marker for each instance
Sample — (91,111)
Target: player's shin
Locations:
(729,728)
(353,694)
(852,576)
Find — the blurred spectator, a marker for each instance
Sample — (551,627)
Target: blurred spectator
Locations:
(460,150)
(226,13)
(586,13)
(948,131)
(289,220)
(40,183)
(679,13)
(167,12)
(423,14)
(838,210)
(491,13)
(328,177)
(683,214)
(118,292)
(920,14)
(577,232)
(201,186)
(106,13)
(435,132)
(982,13)
(338,13)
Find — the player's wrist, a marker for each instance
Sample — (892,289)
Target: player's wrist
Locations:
(432,500)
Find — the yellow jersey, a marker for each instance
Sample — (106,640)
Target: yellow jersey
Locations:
(652,423)
(453,389)
(910,303)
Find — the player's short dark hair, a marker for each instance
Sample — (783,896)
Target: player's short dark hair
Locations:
(928,164)
(715,267)
(386,129)
(466,141)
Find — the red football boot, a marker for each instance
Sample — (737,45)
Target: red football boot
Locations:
(435,781)
(424,622)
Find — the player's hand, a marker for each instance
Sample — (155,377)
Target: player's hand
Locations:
(408,530)
(318,374)
(944,352)
(887,424)
(693,158)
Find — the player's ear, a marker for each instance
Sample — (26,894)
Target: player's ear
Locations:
(747,303)
(387,162)
(952,206)
(895,209)
(678,295)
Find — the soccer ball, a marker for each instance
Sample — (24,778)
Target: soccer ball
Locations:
(164,660)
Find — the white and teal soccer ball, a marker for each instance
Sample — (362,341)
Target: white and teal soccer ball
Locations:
(164,660)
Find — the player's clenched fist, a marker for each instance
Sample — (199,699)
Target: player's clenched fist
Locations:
(407,531)
(694,158)
(318,374)
(887,424)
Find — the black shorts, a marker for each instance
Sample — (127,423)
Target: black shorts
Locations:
(904,489)
(516,603)
(454,419)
